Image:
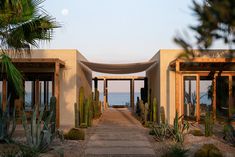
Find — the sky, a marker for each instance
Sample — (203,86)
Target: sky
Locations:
(118,31)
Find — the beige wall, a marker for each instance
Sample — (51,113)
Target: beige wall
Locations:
(162,82)
(71,78)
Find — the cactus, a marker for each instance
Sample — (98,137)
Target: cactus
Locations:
(86,111)
(7,123)
(162,115)
(142,109)
(208,124)
(38,136)
(154,110)
(81,103)
(53,111)
(145,113)
(90,113)
(76,113)
(150,109)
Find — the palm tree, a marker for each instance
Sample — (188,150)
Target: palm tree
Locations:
(22,24)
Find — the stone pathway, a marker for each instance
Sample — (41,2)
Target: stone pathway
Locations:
(119,134)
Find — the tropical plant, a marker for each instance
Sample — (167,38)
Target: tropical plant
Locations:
(22,24)
(215,21)
(7,123)
(39,133)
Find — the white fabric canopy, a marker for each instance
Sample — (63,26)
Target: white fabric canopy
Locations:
(118,68)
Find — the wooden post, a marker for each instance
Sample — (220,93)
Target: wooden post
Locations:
(37,95)
(57,92)
(132,94)
(105,96)
(214,98)
(177,85)
(230,95)
(4,94)
(198,98)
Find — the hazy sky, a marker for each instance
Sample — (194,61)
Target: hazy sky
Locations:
(118,31)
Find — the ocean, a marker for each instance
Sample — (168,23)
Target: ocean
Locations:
(119,98)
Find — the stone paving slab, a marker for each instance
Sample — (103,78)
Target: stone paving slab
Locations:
(121,151)
(118,143)
(118,133)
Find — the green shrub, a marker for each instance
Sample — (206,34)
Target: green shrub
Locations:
(176,151)
(208,150)
(196,132)
(75,134)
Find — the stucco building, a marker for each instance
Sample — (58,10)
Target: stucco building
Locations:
(190,87)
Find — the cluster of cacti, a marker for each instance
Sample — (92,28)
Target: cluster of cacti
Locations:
(208,124)
(7,123)
(147,111)
(87,109)
(39,133)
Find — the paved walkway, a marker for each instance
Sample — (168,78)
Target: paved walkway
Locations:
(119,134)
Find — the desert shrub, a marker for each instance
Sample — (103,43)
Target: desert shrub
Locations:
(196,132)
(165,131)
(176,151)
(162,132)
(75,134)
(208,150)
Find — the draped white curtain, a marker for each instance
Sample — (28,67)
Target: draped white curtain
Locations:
(118,68)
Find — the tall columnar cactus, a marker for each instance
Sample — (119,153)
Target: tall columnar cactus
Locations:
(142,109)
(208,124)
(86,112)
(146,113)
(53,111)
(154,109)
(90,112)
(162,115)
(76,113)
(7,123)
(96,104)
(81,105)
(150,109)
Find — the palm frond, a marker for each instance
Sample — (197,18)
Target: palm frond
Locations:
(13,74)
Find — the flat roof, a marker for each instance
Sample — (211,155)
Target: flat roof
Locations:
(37,62)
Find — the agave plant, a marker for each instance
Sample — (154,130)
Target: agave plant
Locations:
(38,133)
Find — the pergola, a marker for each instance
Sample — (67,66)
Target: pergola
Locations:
(197,67)
(32,65)
(119,69)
